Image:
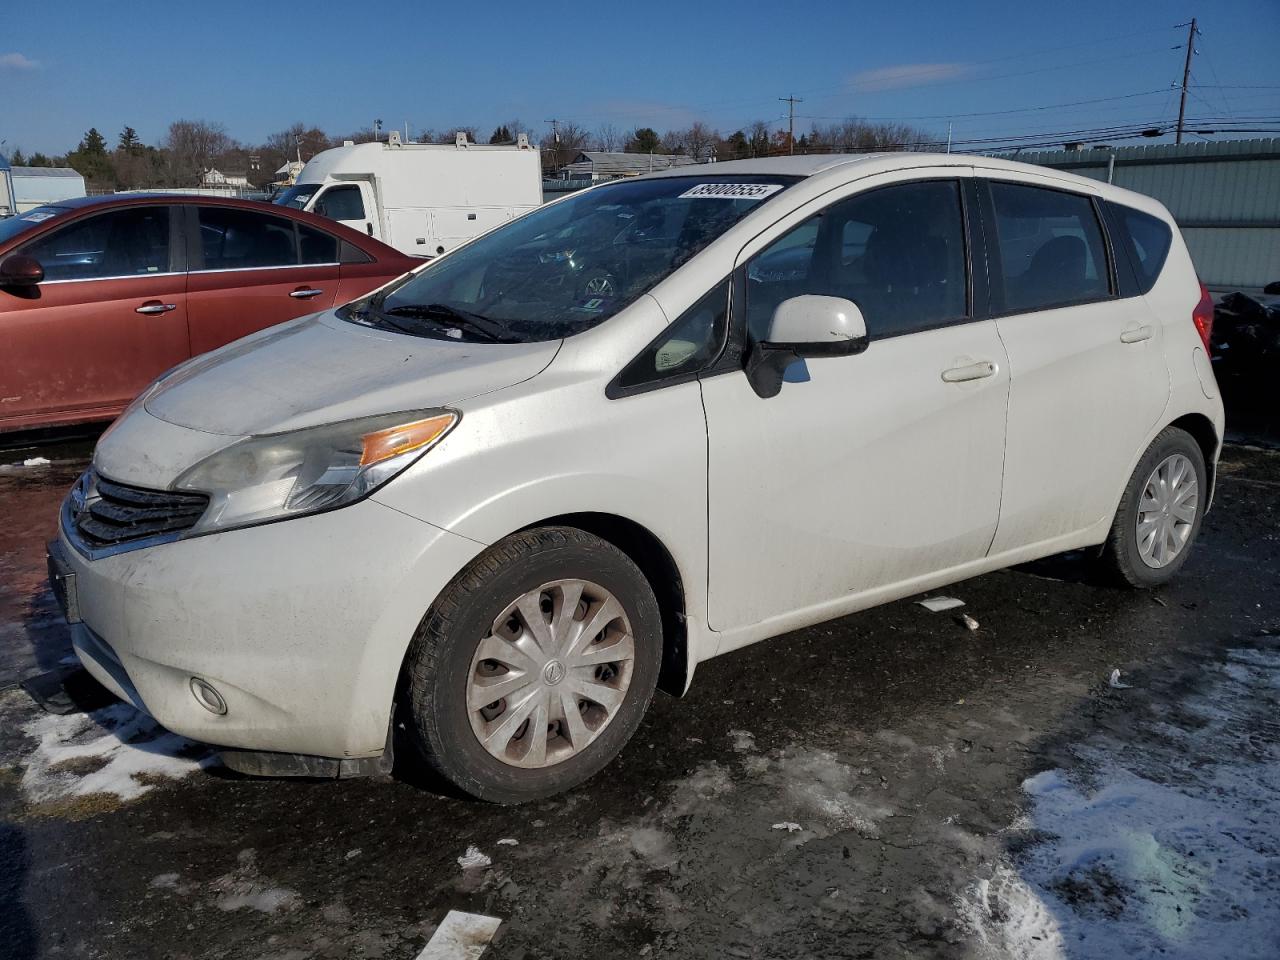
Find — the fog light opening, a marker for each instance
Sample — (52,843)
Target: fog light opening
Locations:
(208,697)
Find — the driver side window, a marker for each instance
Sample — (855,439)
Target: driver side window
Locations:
(123,243)
(898,252)
(341,203)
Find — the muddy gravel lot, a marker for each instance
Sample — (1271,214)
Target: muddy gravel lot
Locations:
(892,784)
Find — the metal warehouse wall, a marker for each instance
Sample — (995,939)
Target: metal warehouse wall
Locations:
(1225,197)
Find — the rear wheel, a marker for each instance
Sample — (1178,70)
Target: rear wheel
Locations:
(1160,515)
(534,667)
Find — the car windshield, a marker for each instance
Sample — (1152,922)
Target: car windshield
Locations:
(297,196)
(568,267)
(11,227)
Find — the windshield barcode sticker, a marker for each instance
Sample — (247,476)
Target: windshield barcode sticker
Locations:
(730,191)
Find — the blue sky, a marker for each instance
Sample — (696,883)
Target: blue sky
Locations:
(259,67)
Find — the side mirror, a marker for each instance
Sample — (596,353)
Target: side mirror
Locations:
(806,326)
(20,271)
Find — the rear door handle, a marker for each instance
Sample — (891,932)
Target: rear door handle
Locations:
(972,371)
(1138,334)
(305,293)
(155,306)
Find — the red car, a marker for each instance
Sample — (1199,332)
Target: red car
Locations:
(100,295)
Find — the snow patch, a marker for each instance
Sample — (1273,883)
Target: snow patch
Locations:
(1165,851)
(473,859)
(116,750)
(1009,920)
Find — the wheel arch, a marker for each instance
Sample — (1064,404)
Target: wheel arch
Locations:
(1206,437)
(655,561)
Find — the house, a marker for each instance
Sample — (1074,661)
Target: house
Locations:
(596,165)
(216,178)
(287,175)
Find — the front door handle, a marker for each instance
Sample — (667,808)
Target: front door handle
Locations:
(155,306)
(971,371)
(1138,334)
(305,293)
(368,228)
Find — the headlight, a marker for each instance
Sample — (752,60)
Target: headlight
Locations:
(280,475)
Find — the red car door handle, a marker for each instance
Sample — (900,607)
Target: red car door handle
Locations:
(305,293)
(155,306)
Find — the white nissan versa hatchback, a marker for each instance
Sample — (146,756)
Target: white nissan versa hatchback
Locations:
(505,497)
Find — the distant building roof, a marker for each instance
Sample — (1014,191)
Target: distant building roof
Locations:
(618,164)
(44,172)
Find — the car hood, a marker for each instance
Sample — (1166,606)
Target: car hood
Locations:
(321,369)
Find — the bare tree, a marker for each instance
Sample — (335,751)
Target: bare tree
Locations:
(859,136)
(193,146)
(608,138)
(758,139)
(563,144)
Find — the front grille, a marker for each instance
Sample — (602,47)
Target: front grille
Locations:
(106,513)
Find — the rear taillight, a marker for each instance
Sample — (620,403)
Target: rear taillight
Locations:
(1202,316)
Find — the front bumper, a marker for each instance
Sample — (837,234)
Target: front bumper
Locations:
(300,626)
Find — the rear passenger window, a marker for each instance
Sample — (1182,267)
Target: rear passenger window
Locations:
(1147,239)
(235,239)
(897,252)
(1050,246)
(317,246)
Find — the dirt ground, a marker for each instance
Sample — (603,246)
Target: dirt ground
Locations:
(891,784)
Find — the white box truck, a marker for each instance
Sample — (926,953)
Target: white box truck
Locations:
(422,198)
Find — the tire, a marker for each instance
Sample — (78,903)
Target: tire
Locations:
(445,670)
(1123,556)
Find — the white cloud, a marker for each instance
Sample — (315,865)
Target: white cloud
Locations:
(910,75)
(17,61)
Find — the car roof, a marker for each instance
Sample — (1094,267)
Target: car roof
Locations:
(368,244)
(839,166)
(805,166)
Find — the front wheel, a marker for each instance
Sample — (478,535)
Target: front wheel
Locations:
(1160,515)
(534,667)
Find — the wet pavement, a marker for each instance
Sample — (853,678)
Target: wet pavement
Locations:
(891,784)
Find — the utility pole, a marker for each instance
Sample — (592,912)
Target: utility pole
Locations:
(1186,74)
(555,129)
(791,121)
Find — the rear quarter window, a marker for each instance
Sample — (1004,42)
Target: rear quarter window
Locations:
(1146,239)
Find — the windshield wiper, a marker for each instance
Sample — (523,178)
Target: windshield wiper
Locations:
(487,327)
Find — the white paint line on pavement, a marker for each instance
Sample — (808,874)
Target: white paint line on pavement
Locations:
(460,936)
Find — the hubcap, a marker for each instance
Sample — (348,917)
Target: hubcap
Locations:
(1167,511)
(601,286)
(551,674)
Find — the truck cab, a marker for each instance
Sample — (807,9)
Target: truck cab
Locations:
(423,199)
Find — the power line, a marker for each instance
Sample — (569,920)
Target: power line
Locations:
(995,113)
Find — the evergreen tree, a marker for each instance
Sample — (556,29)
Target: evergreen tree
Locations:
(129,141)
(645,140)
(94,144)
